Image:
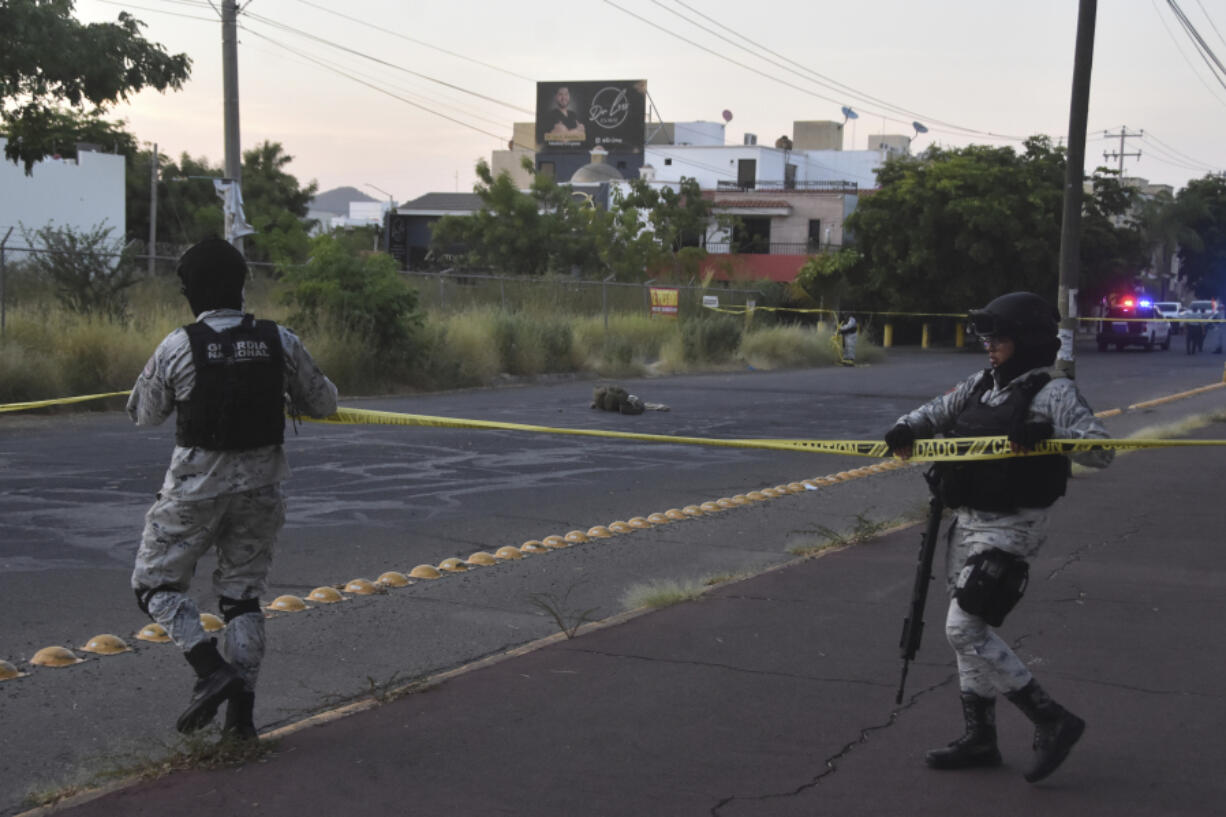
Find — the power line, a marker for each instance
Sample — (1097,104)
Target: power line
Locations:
(822,79)
(1179,48)
(371,85)
(1206,53)
(407,38)
(332,44)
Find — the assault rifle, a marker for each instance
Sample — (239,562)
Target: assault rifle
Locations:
(913,624)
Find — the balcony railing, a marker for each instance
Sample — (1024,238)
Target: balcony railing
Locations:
(788,187)
(768,248)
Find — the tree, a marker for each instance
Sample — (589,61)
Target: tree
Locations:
(89,271)
(48,58)
(657,231)
(189,209)
(953,228)
(544,230)
(1202,261)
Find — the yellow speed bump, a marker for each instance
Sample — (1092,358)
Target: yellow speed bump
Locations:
(55,657)
(724,503)
(452,565)
(325,595)
(620,527)
(781,489)
(681,514)
(392,578)
(533,546)
(361,587)
(796,487)
(638,523)
(482,558)
(425,572)
(658,519)
(211,623)
(8,672)
(774,493)
(712,507)
(106,644)
(153,632)
(598,532)
(756,496)
(288,604)
(508,552)
(740,499)
(555,542)
(576,537)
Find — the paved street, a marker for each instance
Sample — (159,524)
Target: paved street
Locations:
(740,703)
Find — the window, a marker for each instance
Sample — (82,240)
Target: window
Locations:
(752,235)
(789,177)
(815,234)
(746,173)
(668,161)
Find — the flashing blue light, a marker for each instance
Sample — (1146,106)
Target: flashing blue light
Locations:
(1146,303)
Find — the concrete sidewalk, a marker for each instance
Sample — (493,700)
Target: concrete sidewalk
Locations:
(775,695)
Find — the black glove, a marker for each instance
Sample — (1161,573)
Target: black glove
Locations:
(1028,435)
(900,436)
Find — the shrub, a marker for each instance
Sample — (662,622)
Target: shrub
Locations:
(361,293)
(710,338)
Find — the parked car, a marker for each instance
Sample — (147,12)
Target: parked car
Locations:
(1141,326)
(1170,310)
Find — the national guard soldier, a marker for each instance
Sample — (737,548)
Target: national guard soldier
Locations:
(848,331)
(1001,517)
(228,376)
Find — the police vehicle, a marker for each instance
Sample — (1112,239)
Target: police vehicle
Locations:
(1133,321)
(1170,310)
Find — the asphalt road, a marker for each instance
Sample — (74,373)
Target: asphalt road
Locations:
(367,499)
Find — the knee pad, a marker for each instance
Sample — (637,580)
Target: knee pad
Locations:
(991,584)
(144,594)
(233,608)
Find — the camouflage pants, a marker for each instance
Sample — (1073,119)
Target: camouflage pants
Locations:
(242,528)
(986,664)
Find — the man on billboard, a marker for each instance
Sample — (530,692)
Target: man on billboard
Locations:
(561,121)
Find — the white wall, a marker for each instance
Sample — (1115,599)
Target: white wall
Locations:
(80,194)
(710,165)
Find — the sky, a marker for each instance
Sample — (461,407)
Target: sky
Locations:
(400,99)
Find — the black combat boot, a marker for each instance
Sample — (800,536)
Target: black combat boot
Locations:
(217,682)
(1055,729)
(976,748)
(240,717)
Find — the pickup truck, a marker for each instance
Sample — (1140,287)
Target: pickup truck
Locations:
(1133,325)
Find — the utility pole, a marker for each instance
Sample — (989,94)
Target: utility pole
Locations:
(229,79)
(153,209)
(1074,172)
(1120,154)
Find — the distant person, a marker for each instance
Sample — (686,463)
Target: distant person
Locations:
(227,375)
(1194,340)
(1001,511)
(562,123)
(848,331)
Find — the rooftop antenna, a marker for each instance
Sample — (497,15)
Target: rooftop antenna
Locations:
(848,113)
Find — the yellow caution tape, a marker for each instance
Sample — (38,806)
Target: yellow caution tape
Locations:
(932,450)
(60,401)
(963,448)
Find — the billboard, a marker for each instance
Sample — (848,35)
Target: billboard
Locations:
(574,117)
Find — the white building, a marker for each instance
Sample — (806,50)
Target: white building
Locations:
(81,194)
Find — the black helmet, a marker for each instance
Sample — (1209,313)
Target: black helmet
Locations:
(213,273)
(1022,317)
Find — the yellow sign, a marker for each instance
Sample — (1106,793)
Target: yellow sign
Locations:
(664,301)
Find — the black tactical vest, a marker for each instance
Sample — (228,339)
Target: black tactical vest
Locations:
(1005,484)
(237,402)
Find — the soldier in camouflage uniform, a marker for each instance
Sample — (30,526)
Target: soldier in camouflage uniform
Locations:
(228,377)
(1001,518)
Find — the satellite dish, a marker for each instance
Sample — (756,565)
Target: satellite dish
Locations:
(848,113)
(919,128)
(727,116)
